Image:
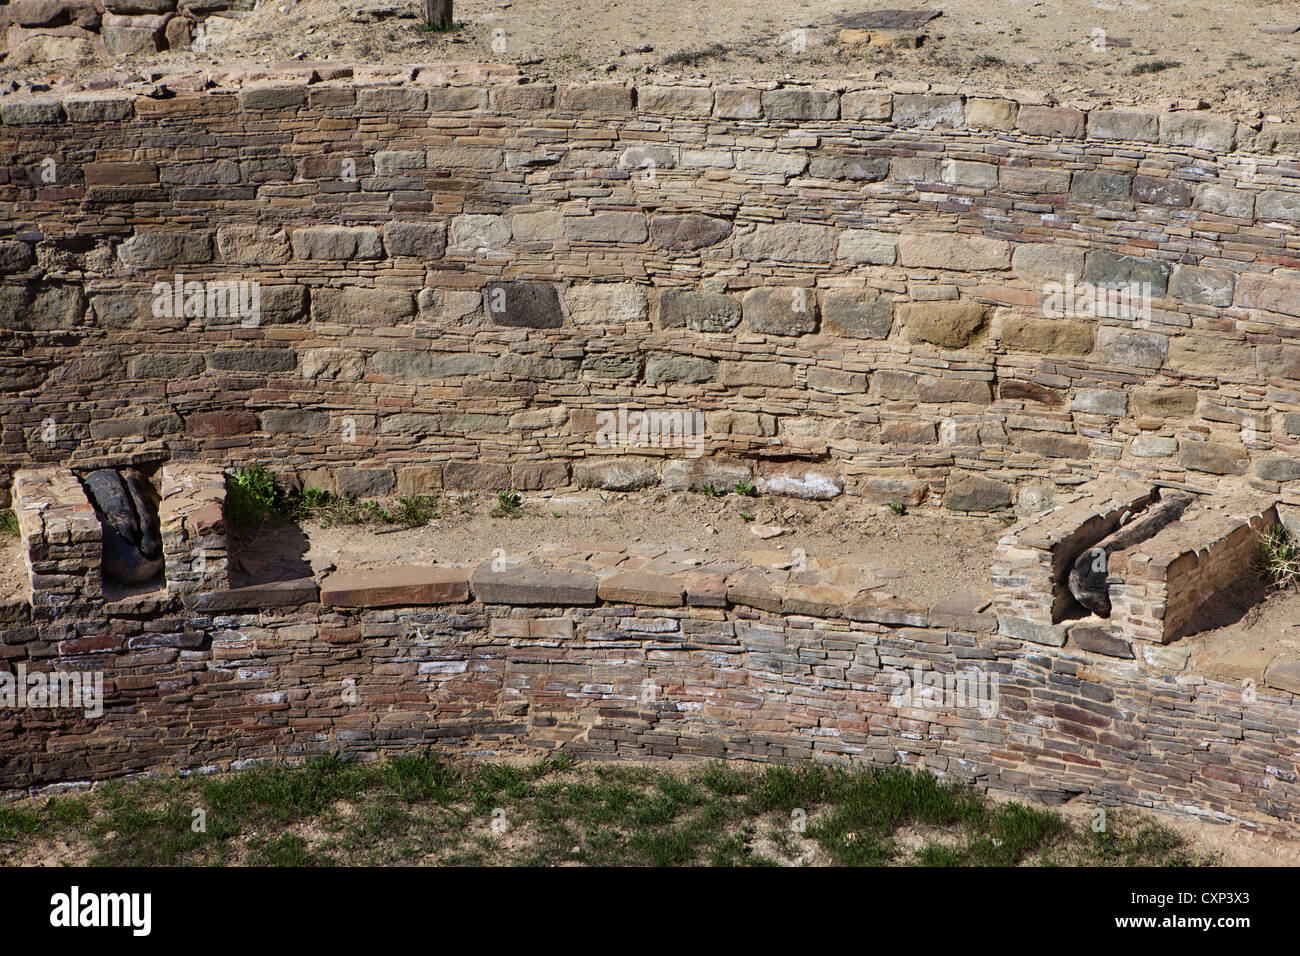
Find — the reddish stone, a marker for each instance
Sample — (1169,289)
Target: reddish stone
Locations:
(403,585)
(220,424)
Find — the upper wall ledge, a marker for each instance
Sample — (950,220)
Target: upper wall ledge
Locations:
(1169,122)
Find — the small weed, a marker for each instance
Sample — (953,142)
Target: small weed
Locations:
(509,505)
(1279,557)
(745,489)
(692,57)
(8,523)
(987,60)
(1155,66)
(746,516)
(897,507)
(709,491)
(251,495)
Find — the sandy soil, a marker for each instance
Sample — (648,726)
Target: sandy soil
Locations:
(1239,54)
(923,555)
(13,571)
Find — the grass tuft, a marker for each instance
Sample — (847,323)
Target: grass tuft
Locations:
(8,523)
(1279,557)
(692,57)
(423,808)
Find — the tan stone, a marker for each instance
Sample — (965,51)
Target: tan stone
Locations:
(1046,336)
(950,325)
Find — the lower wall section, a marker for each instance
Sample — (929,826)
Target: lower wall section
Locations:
(624,683)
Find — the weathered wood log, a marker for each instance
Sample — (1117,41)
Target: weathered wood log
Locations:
(437,13)
(128,513)
(1091,571)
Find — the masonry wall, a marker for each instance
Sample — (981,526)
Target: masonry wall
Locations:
(853,278)
(186,691)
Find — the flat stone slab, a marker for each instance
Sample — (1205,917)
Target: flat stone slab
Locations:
(403,585)
(528,584)
(1099,640)
(641,587)
(1285,677)
(275,594)
(886,609)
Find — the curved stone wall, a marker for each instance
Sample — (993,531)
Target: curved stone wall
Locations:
(873,281)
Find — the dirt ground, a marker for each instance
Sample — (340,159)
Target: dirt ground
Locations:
(1242,55)
(13,571)
(923,555)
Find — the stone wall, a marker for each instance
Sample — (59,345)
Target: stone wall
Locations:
(188,690)
(856,280)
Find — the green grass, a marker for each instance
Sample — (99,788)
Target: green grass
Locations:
(251,495)
(424,808)
(452,27)
(509,505)
(8,523)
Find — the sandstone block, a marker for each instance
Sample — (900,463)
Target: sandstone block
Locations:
(949,325)
(1050,121)
(698,311)
(976,493)
(867,246)
(527,305)
(1131,125)
(1046,336)
(1214,134)
(688,231)
(1213,457)
(953,251)
(607,227)
(663,367)
(790,310)
(927,111)
(801,104)
(857,313)
(526,585)
(788,242)
(402,585)
(337,242)
(615,474)
(475,476)
(800,480)
(421,240)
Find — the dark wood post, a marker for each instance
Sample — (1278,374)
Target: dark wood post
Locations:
(437,13)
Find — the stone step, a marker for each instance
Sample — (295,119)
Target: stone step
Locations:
(402,585)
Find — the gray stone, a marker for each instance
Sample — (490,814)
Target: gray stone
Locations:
(1132,125)
(365,481)
(615,474)
(686,232)
(977,493)
(694,474)
(698,311)
(530,586)
(295,421)
(1203,285)
(857,313)
(1214,134)
(1098,640)
(418,424)
(858,168)
(611,365)
(1017,628)
(1273,204)
(421,240)
(664,367)
(167,365)
(155,250)
(1100,401)
(788,242)
(1108,268)
(422,367)
(126,35)
(1161,192)
(607,227)
(1225,201)
(1153,446)
(358,307)
(337,242)
(16,257)
(473,235)
(961,172)
(1096,184)
(1047,261)
(526,305)
(801,104)
(781,311)
(606,304)
(866,246)
(253,360)
(1278,469)
(927,110)
(20,111)
(332,365)
(1213,458)
(800,480)
(244,244)
(1136,349)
